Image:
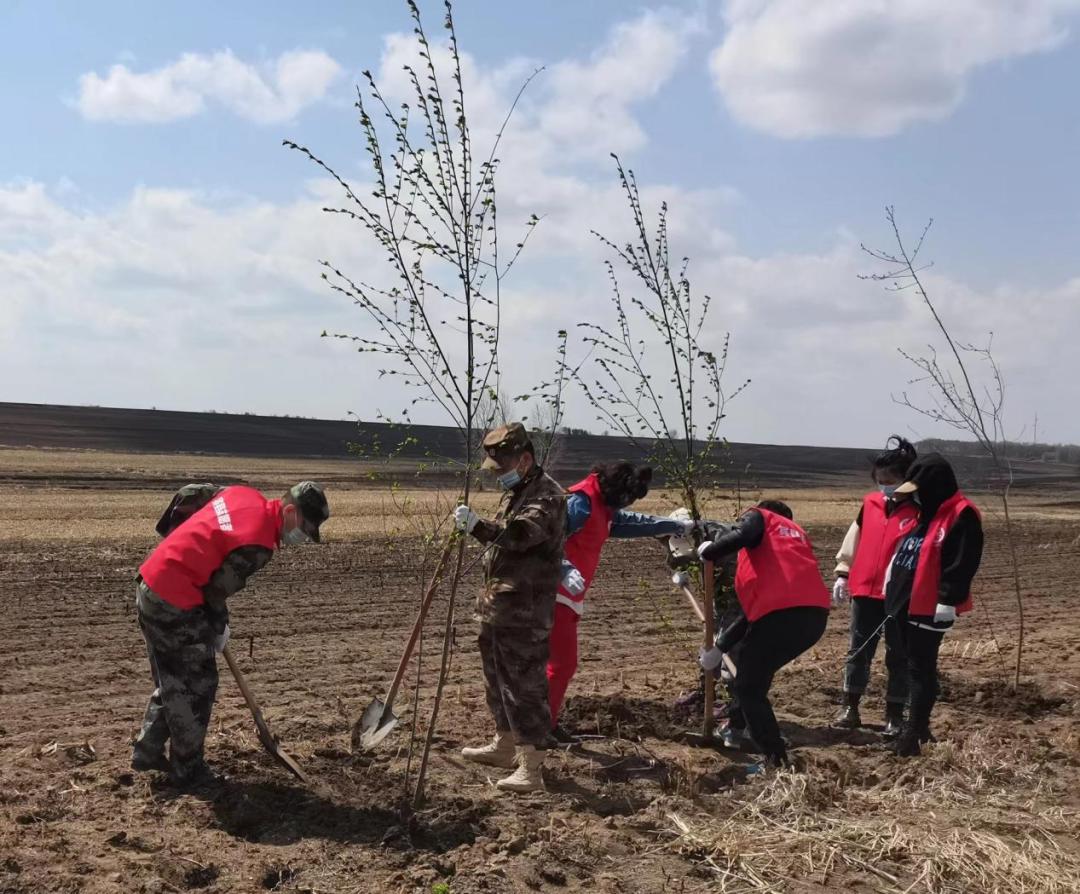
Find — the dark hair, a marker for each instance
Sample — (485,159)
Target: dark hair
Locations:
(621,483)
(896,459)
(777,506)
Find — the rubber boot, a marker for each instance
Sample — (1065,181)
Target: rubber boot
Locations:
(143,761)
(906,744)
(499,752)
(894,720)
(528,776)
(849,717)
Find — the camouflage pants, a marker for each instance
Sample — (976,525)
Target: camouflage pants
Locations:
(184,667)
(515,681)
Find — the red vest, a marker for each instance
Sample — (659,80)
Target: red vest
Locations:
(924,589)
(184,562)
(780,572)
(583,547)
(879,536)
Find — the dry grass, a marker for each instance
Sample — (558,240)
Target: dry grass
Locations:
(978,816)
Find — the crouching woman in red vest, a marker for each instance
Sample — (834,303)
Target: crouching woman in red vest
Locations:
(786,603)
(595,511)
(929,583)
(207,555)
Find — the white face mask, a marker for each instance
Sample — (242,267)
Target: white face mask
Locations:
(509,479)
(295,537)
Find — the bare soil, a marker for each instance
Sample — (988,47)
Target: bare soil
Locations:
(640,806)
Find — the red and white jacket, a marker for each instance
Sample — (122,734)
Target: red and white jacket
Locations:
(583,547)
(871,543)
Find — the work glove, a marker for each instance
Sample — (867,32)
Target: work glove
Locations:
(465,519)
(688,526)
(841,593)
(704,548)
(572,580)
(222,640)
(680,579)
(944,614)
(710,659)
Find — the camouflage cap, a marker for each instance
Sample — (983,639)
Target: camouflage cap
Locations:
(509,438)
(314,510)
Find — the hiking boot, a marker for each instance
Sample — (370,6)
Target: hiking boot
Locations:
(562,737)
(499,752)
(905,745)
(849,717)
(527,777)
(143,761)
(894,721)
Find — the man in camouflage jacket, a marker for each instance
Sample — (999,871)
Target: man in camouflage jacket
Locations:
(516,607)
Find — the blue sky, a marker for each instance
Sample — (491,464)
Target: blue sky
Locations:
(158,255)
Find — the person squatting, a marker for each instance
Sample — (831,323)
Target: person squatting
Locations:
(906,568)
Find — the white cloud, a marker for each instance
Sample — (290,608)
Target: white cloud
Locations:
(182,88)
(870,68)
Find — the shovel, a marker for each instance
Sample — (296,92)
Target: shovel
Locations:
(682,581)
(379,719)
(268,739)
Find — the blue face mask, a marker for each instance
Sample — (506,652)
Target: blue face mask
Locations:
(888,489)
(509,479)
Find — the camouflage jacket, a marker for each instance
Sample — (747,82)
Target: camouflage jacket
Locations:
(524,566)
(238,566)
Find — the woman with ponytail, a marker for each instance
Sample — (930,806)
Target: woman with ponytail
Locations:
(861,568)
(595,511)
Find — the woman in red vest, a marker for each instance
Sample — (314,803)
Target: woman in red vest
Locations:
(786,603)
(861,566)
(929,583)
(595,511)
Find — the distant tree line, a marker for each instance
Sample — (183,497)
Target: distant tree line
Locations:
(1029,451)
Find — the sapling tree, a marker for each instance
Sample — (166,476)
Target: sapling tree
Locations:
(434,307)
(956,393)
(657,379)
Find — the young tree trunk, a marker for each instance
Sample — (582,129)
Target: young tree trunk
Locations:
(1009,535)
(708,576)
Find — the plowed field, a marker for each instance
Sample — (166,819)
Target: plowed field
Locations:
(639,806)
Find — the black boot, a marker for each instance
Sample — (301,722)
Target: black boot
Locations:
(894,720)
(562,737)
(849,717)
(906,744)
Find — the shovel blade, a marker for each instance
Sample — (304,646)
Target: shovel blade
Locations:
(374,725)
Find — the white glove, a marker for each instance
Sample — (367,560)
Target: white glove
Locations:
(465,519)
(222,640)
(680,579)
(701,549)
(573,581)
(841,593)
(710,659)
(944,613)
(688,526)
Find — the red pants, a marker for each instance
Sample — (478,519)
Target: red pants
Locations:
(562,657)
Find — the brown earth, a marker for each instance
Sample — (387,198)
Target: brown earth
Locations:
(642,807)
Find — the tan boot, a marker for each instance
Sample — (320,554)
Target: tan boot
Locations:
(499,752)
(527,777)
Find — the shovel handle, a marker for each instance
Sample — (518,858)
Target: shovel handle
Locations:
(241,681)
(708,576)
(425,604)
(694,603)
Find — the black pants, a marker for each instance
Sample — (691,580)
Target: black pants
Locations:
(921,652)
(867,616)
(772,641)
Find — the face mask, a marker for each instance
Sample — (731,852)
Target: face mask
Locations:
(888,489)
(295,537)
(509,479)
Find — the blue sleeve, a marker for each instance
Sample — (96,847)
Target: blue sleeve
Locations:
(578,510)
(634,524)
